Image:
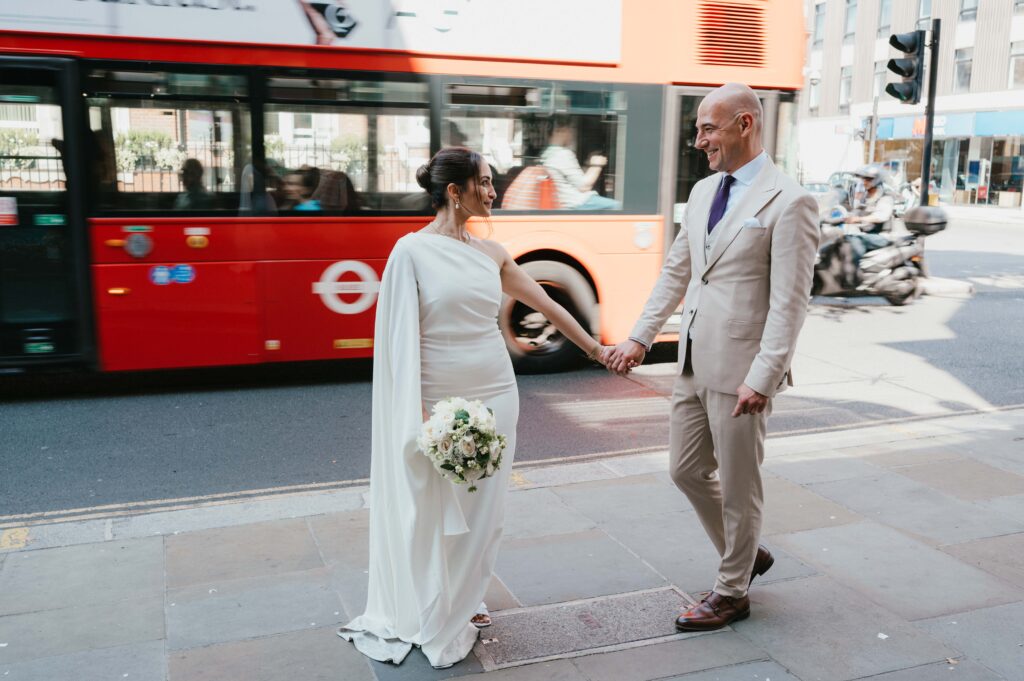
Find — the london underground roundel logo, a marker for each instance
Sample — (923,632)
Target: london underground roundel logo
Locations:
(329,288)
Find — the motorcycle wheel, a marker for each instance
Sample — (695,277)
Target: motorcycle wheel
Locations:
(898,299)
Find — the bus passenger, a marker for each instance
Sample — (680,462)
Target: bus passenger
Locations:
(298,188)
(195,196)
(574,187)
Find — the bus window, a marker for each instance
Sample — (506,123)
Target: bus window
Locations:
(345,145)
(550,148)
(169,141)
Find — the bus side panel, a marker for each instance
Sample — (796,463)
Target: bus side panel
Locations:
(171,316)
(621,254)
(320,309)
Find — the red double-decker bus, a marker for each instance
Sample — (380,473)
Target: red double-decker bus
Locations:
(219,182)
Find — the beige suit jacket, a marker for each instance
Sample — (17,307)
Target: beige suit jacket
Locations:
(748,298)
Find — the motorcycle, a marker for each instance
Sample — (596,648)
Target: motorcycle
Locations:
(890,265)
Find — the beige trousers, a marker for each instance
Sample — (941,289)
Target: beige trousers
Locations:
(715,460)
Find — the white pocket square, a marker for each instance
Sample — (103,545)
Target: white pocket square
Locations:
(752,223)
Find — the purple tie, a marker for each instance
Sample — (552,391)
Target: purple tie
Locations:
(720,202)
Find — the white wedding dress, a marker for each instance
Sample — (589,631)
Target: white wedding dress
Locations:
(432,543)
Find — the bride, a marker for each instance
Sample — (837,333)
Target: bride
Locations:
(432,543)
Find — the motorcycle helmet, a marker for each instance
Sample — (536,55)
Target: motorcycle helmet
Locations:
(871,175)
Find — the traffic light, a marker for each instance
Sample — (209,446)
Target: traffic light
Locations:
(911,68)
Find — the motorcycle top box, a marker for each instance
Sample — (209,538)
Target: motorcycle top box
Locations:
(925,220)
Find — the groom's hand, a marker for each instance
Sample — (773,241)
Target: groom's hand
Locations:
(625,356)
(750,401)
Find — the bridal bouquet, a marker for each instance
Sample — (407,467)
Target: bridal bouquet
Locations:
(460,440)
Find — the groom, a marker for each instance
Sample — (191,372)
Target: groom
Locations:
(744,258)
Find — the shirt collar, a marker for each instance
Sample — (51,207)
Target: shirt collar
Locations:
(750,171)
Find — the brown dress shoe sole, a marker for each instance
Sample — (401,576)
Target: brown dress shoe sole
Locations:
(698,625)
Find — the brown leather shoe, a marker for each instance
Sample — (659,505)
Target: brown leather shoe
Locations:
(762,564)
(714,612)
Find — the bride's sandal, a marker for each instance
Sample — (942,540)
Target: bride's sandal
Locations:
(480,621)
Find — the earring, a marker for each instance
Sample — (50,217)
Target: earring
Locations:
(456,205)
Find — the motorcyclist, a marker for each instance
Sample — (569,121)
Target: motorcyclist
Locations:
(874,215)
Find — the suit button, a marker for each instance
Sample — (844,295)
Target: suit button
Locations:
(704,281)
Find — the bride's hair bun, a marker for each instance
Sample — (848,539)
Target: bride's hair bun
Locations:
(423,176)
(451,165)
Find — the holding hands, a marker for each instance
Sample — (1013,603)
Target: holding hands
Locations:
(622,358)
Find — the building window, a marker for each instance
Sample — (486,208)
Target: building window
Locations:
(962,70)
(1018,6)
(845,88)
(924,14)
(1017,65)
(851,21)
(968,10)
(880,77)
(884,18)
(819,25)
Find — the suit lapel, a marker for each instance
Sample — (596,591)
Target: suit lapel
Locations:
(701,211)
(761,191)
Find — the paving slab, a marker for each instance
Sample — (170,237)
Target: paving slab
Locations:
(639,464)
(992,637)
(819,629)
(677,547)
(552,670)
(343,538)
(749,671)
(311,655)
(956,670)
(665,660)
(1000,556)
(813,467)
(562,474)
(898,573)
(52,535)
(232,513)
(911,506)
(86,574)
(48,633)
(965,479)
(911,452)
(217,612)
(571,628)
(415,667)
(632,497)
(788,507)
(540,512)
(239,552)
(569,567)
(135,661)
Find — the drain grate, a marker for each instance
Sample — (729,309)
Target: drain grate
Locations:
(570,629)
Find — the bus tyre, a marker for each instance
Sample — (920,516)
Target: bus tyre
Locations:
(535,345)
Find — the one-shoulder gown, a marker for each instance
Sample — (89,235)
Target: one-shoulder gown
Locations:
(433,544)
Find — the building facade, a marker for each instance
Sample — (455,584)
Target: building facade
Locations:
(977,154)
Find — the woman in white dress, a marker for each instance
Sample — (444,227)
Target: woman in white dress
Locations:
(433,543)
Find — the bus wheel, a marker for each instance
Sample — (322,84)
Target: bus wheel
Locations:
(534,343)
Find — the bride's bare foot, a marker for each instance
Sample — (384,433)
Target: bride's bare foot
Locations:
(480,621)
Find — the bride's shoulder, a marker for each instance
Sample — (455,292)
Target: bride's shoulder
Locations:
(493,249)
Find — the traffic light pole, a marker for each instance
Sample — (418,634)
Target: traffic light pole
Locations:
(929,112)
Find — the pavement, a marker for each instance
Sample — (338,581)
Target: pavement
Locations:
(898,558)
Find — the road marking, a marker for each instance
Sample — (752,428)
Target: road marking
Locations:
(16,538)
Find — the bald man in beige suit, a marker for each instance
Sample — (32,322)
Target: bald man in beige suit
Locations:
(744,259)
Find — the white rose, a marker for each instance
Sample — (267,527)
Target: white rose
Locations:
(490,469)
(468,446)
(446,444)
